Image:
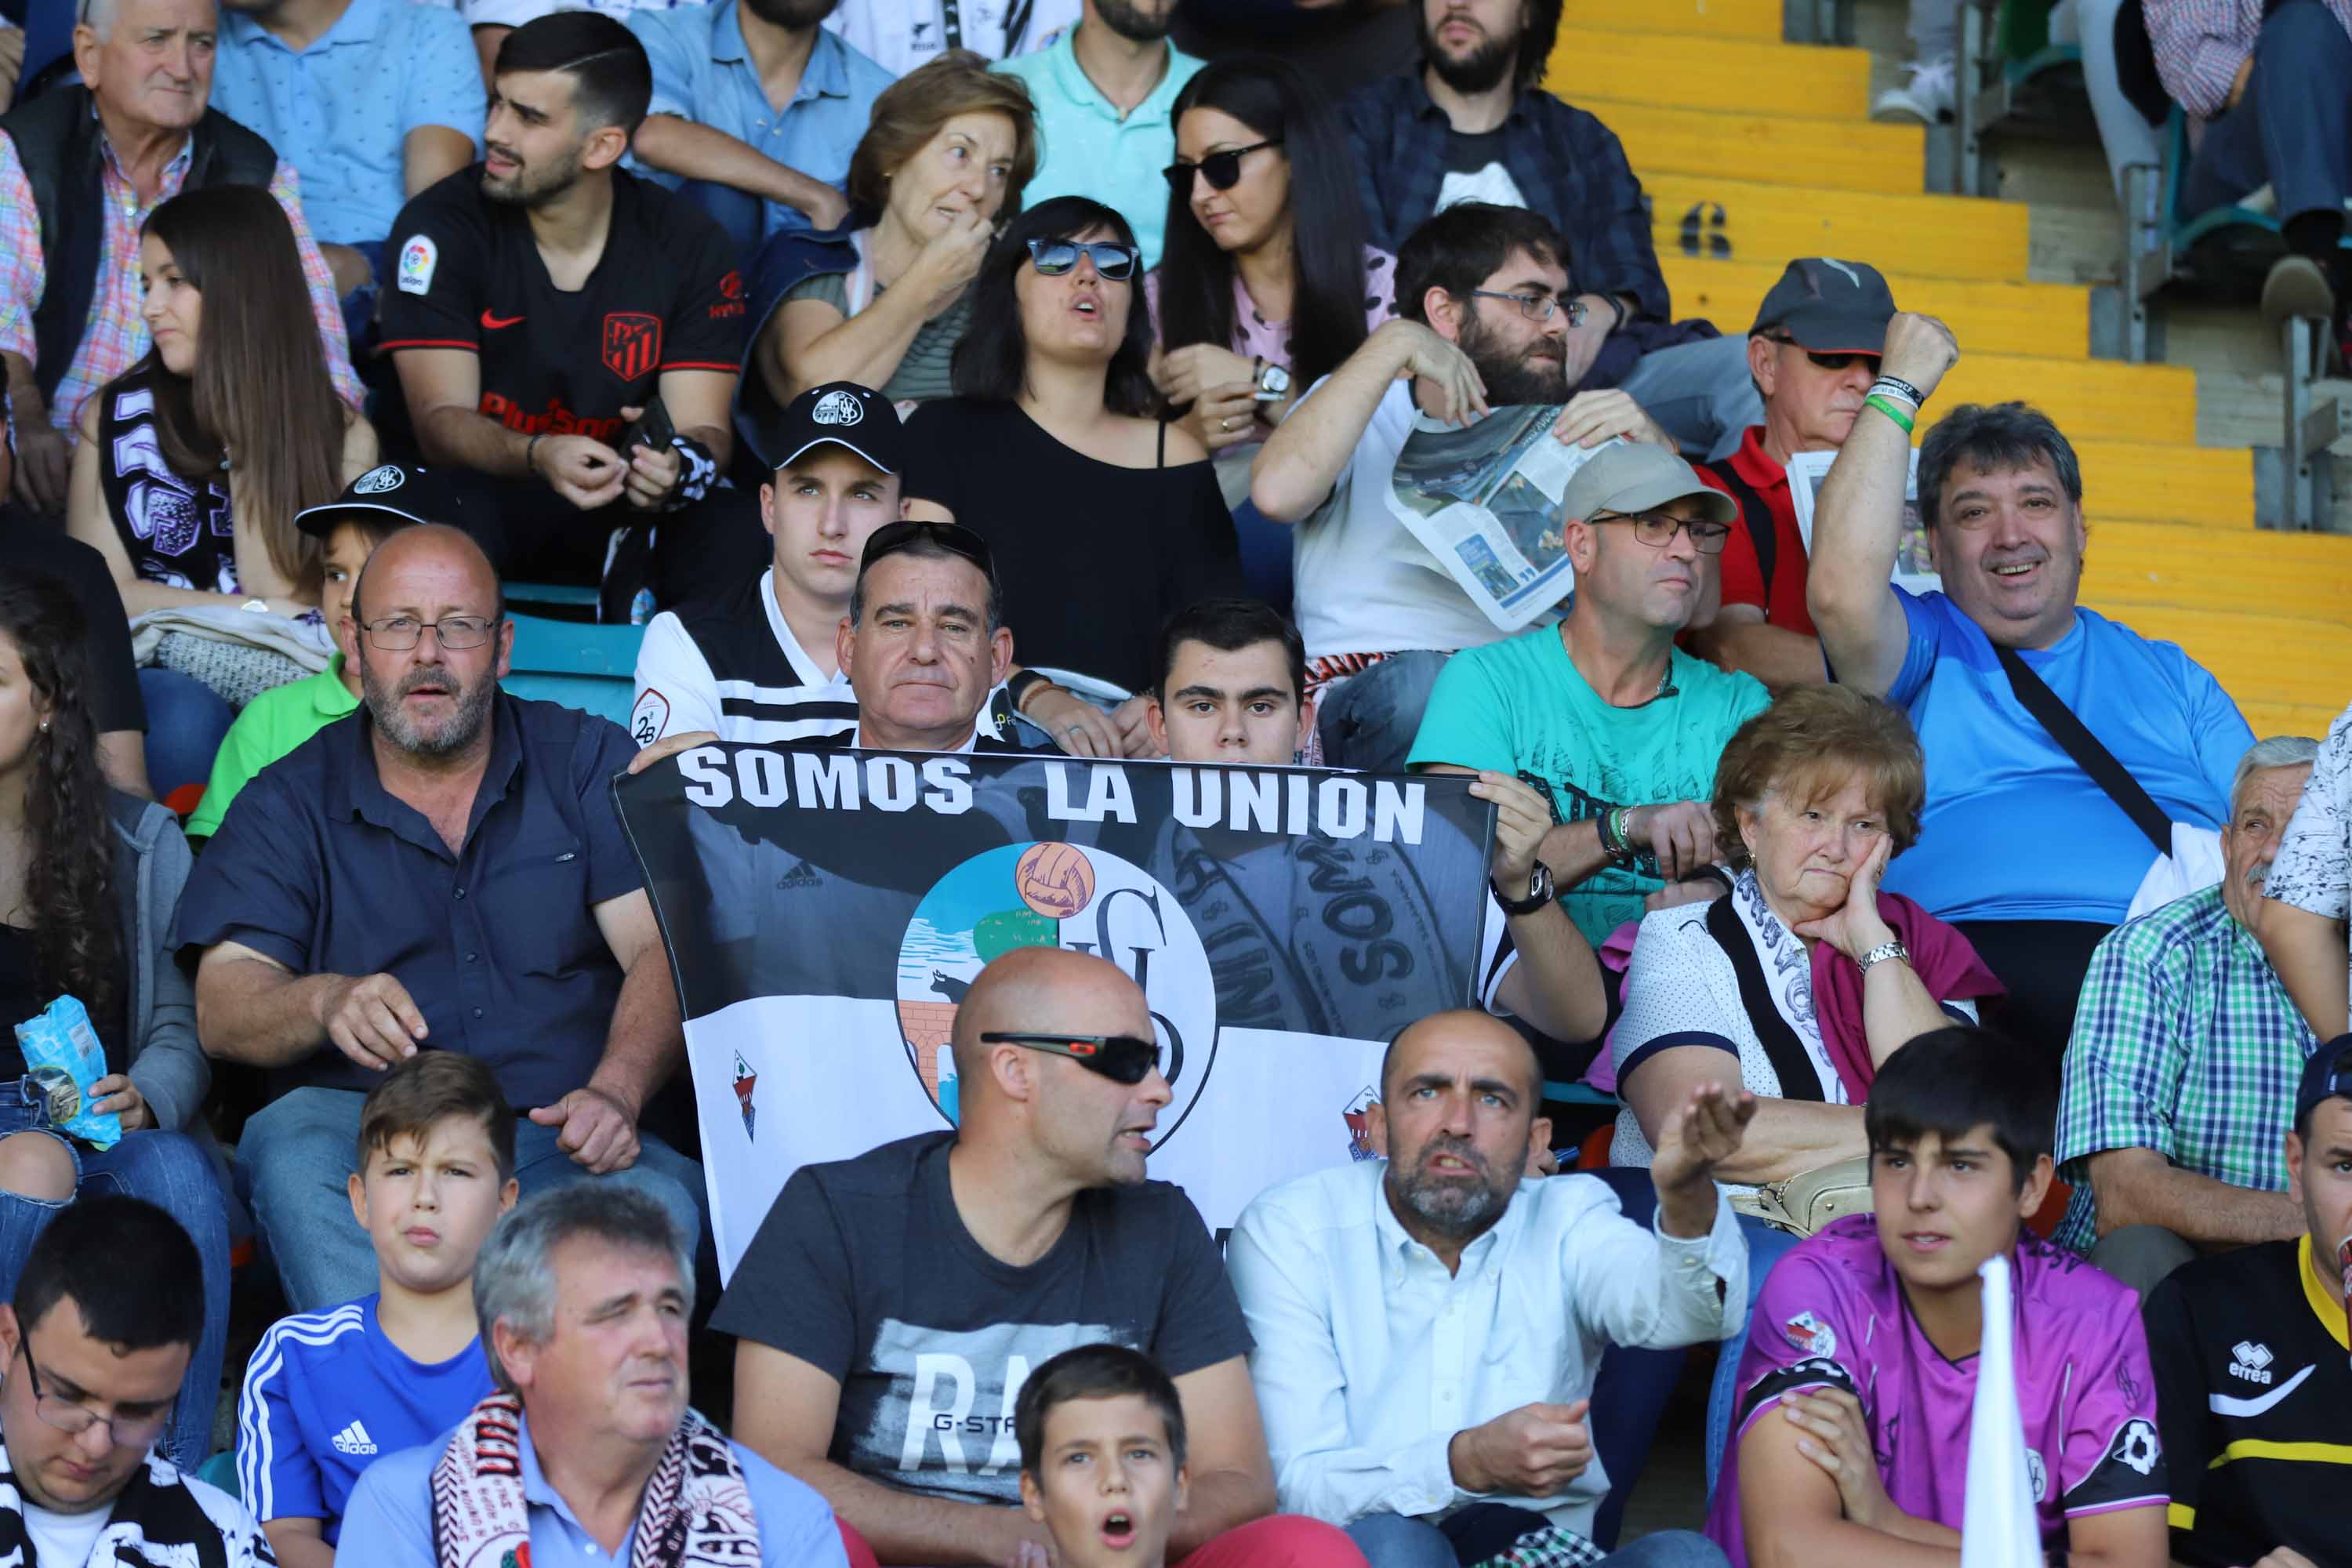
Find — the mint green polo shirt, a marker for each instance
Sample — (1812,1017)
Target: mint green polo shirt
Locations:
(1088,151)
(272,725)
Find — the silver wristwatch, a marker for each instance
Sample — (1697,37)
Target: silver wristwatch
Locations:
(1882,953)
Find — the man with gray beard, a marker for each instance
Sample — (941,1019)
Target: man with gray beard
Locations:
(441,870)
(1428,1323)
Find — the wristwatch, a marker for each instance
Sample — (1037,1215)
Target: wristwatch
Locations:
(1273,382)
(1539,890)
(1881,953)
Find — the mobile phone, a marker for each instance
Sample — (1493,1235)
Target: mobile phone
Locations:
(652,429)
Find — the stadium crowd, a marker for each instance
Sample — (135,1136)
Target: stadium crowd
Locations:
(999,377)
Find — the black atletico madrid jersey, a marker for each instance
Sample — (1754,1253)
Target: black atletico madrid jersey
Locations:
(2254,1384)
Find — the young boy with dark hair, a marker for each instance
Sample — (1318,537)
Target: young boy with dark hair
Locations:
(327,1392)
(1859,1382)
(1102,1455)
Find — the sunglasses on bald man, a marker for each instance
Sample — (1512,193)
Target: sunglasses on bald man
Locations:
(1122,1058)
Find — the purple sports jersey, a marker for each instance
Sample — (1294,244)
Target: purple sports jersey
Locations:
(1833,1315)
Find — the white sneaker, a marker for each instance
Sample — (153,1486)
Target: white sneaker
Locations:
(1924,100)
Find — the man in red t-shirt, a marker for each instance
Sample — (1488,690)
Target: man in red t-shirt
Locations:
(1813,351)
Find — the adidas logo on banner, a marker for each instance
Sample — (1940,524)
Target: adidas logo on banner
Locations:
(355,1439)
(802,875)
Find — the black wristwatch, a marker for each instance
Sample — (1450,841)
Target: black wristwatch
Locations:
(1539,891)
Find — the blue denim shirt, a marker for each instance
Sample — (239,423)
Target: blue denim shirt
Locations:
(319,868)
(703,72)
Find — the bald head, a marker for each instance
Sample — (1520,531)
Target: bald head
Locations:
(448,555)
(1418,1043)
(1044,989)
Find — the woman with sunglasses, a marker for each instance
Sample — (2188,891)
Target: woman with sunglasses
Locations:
(1265,283)
(1104,519)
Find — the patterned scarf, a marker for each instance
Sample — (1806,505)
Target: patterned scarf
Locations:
(697,1509)
(156,1523)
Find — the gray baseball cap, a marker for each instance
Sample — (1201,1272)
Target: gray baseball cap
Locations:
(1631,476)
(1829,307)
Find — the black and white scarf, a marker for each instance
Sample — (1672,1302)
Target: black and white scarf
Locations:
(696,1512)
(157,1521)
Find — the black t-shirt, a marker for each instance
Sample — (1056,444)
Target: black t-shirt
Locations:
(1094,556)
(2252,1383)
(864,1269)
(665,295)
(113,677)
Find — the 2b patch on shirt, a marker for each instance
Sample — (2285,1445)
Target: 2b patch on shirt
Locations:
(418,257)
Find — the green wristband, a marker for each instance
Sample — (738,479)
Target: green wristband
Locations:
(1892,411)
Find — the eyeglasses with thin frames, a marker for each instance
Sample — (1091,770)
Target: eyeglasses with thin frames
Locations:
(398,634)
(122,1431)
(1537,307)
(1122,1058)
(1224,169)
(1832,362)
(1657,529)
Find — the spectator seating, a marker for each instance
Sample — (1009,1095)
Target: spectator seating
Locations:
(569,661)
(1753,151)
(2013,81)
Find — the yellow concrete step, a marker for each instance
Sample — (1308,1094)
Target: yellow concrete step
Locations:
(1711,72)
(2299,576)
(1705,217)
(2090,400)
(1769,148)
(2052,320)
(2292,673)
(1761,20)
(2209,489)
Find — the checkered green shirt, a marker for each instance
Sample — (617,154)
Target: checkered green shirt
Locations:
(2184,1043)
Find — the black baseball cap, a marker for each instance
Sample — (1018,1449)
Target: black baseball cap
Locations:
(2325,1074)
(855,418)
(1829,307)
(390,491)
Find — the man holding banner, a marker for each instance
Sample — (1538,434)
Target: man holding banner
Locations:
(892,1305)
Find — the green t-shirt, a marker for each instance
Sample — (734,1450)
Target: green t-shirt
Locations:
(1520,707)
(272,725)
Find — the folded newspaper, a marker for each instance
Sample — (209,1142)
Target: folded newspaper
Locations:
(1486,502)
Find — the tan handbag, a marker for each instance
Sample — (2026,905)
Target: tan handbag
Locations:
(1811,1199)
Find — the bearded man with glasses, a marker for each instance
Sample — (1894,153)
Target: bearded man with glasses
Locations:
(442,870)
(892,1305)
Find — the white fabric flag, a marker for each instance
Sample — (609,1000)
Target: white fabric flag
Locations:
(1998,1529)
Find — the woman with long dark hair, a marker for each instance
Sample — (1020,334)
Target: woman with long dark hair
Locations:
(192,463)
(1103,518)
(1267,282)
(89,881)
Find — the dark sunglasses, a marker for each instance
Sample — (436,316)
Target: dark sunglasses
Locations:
(1224,169)
(1122,1058)
(1833,362)
(1055,257)
(952,537)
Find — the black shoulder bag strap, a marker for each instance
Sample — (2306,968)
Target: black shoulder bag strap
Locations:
(1792,1063)
(2079,744)
(1763,528)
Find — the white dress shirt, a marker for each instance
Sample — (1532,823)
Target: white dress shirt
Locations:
(1371,1356)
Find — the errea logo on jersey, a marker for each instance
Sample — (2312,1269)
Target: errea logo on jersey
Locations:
(2253,1361)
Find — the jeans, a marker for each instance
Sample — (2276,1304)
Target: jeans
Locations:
(1391,1541)
(186,722)
(2140,1256)
(2292,129)
(1368,722)
(1766,1246)
(1266,555)
(1701,392)
(1631,1389)
(172,1170)
(302,1146)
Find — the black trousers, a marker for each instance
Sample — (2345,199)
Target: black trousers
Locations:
(698,553)
(2042,963)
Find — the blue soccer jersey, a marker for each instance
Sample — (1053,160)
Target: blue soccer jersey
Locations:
(326,1395)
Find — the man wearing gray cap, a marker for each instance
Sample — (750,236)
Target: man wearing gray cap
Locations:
(1602,711)
(1814,352)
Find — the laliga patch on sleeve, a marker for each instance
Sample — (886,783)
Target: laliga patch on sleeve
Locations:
(650,718)
(1809,1335)
(418,257)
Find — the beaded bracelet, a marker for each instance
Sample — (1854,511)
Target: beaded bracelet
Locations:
(1891,410)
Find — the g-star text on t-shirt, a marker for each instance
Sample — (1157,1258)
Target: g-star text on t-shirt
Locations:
(951,1397)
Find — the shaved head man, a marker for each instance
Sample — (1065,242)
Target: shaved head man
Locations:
(431,589)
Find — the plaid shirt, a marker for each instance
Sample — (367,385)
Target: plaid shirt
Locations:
(117,334)
(2201,44)
(1567,164)
(2185,1043)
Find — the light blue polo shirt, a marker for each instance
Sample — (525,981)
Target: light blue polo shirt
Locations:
(341,110)
(703,72)
(1088,151)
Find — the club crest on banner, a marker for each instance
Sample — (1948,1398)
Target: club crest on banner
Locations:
(1060,895)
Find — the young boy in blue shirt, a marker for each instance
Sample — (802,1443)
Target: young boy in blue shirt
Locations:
(327,1392)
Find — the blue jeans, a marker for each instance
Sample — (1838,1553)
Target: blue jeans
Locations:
(186,722)
(1266,555)
(1631,1389)
(303,1145)
(1766,1246)
(172,1170)
(1368,722)
(2292,129)
(1393,1541)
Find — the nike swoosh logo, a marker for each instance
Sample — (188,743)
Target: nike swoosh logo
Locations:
(2223,1404)
(494,322)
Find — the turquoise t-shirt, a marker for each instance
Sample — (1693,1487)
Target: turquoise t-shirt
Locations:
(1521,706)
(1085,148)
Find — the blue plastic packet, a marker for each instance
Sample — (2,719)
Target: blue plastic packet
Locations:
(62,1056)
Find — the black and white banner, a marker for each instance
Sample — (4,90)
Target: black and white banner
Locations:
(825,911)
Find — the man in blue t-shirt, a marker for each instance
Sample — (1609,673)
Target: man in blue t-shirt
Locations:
(2017,845)
(326,1393)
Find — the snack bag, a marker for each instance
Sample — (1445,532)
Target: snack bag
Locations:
(63,1057)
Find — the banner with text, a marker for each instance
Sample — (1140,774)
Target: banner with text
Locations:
(826,911)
